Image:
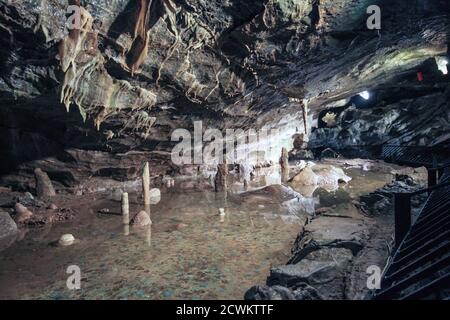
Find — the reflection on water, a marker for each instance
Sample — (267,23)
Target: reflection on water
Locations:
(191,251)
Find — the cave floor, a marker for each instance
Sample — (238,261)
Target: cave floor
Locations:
(188,252)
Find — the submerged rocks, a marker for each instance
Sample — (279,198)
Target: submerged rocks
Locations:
(66,240)
(275,194)
(142,219)
(8,230)
(332,252)
(44,187)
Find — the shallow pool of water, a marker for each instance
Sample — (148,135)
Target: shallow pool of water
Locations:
(189,252)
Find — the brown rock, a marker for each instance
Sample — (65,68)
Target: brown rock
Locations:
(44,187)
(8,230)
(22,213)
(306,177)
(142,219)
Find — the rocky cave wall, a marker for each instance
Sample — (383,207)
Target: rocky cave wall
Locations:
(99,101)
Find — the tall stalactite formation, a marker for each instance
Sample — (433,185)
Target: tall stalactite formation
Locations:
(147,15)
(87,83)
(139,48)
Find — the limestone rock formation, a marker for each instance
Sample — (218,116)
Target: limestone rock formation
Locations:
(142,219)
(44,187)
(22,213)
(8,230)
(136,70)
(306,177)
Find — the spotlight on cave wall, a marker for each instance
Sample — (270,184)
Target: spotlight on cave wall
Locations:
(442,64)
(365,99)
(365,95)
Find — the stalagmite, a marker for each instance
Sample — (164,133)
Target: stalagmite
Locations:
(305,115)
(146,184)
(125,209)
(284,163)
(22,213)
(44,187)
(220,181)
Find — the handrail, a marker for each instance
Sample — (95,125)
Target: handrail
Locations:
(402,210)
(426,190)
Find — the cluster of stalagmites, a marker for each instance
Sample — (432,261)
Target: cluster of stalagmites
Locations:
(35,211)
(13,226)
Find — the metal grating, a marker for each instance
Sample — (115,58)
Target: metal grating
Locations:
(429,157)
(420,268)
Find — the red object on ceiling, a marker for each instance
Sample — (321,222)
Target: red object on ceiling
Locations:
(420,76)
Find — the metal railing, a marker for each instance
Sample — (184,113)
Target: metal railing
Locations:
(421,263)
(435,158)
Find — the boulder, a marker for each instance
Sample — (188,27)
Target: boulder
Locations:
(22,213)
(66,240)
(155,196)
(306,177)
(269,293)
(330,175)
(325,270)
(301,292)
(8,231)
(142,219)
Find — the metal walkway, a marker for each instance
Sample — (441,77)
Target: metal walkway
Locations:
(420,267)
(435,159)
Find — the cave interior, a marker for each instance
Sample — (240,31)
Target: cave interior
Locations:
(235,149)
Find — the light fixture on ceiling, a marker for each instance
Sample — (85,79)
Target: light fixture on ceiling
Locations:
(365,95)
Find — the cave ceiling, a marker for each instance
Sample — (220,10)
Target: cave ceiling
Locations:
(139,67)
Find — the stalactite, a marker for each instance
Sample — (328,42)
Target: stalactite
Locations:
(148,14)
(82,63)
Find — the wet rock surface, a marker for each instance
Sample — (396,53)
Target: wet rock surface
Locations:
(141,219)
(332,253)
(8,230)
(89,108)
(381,201)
